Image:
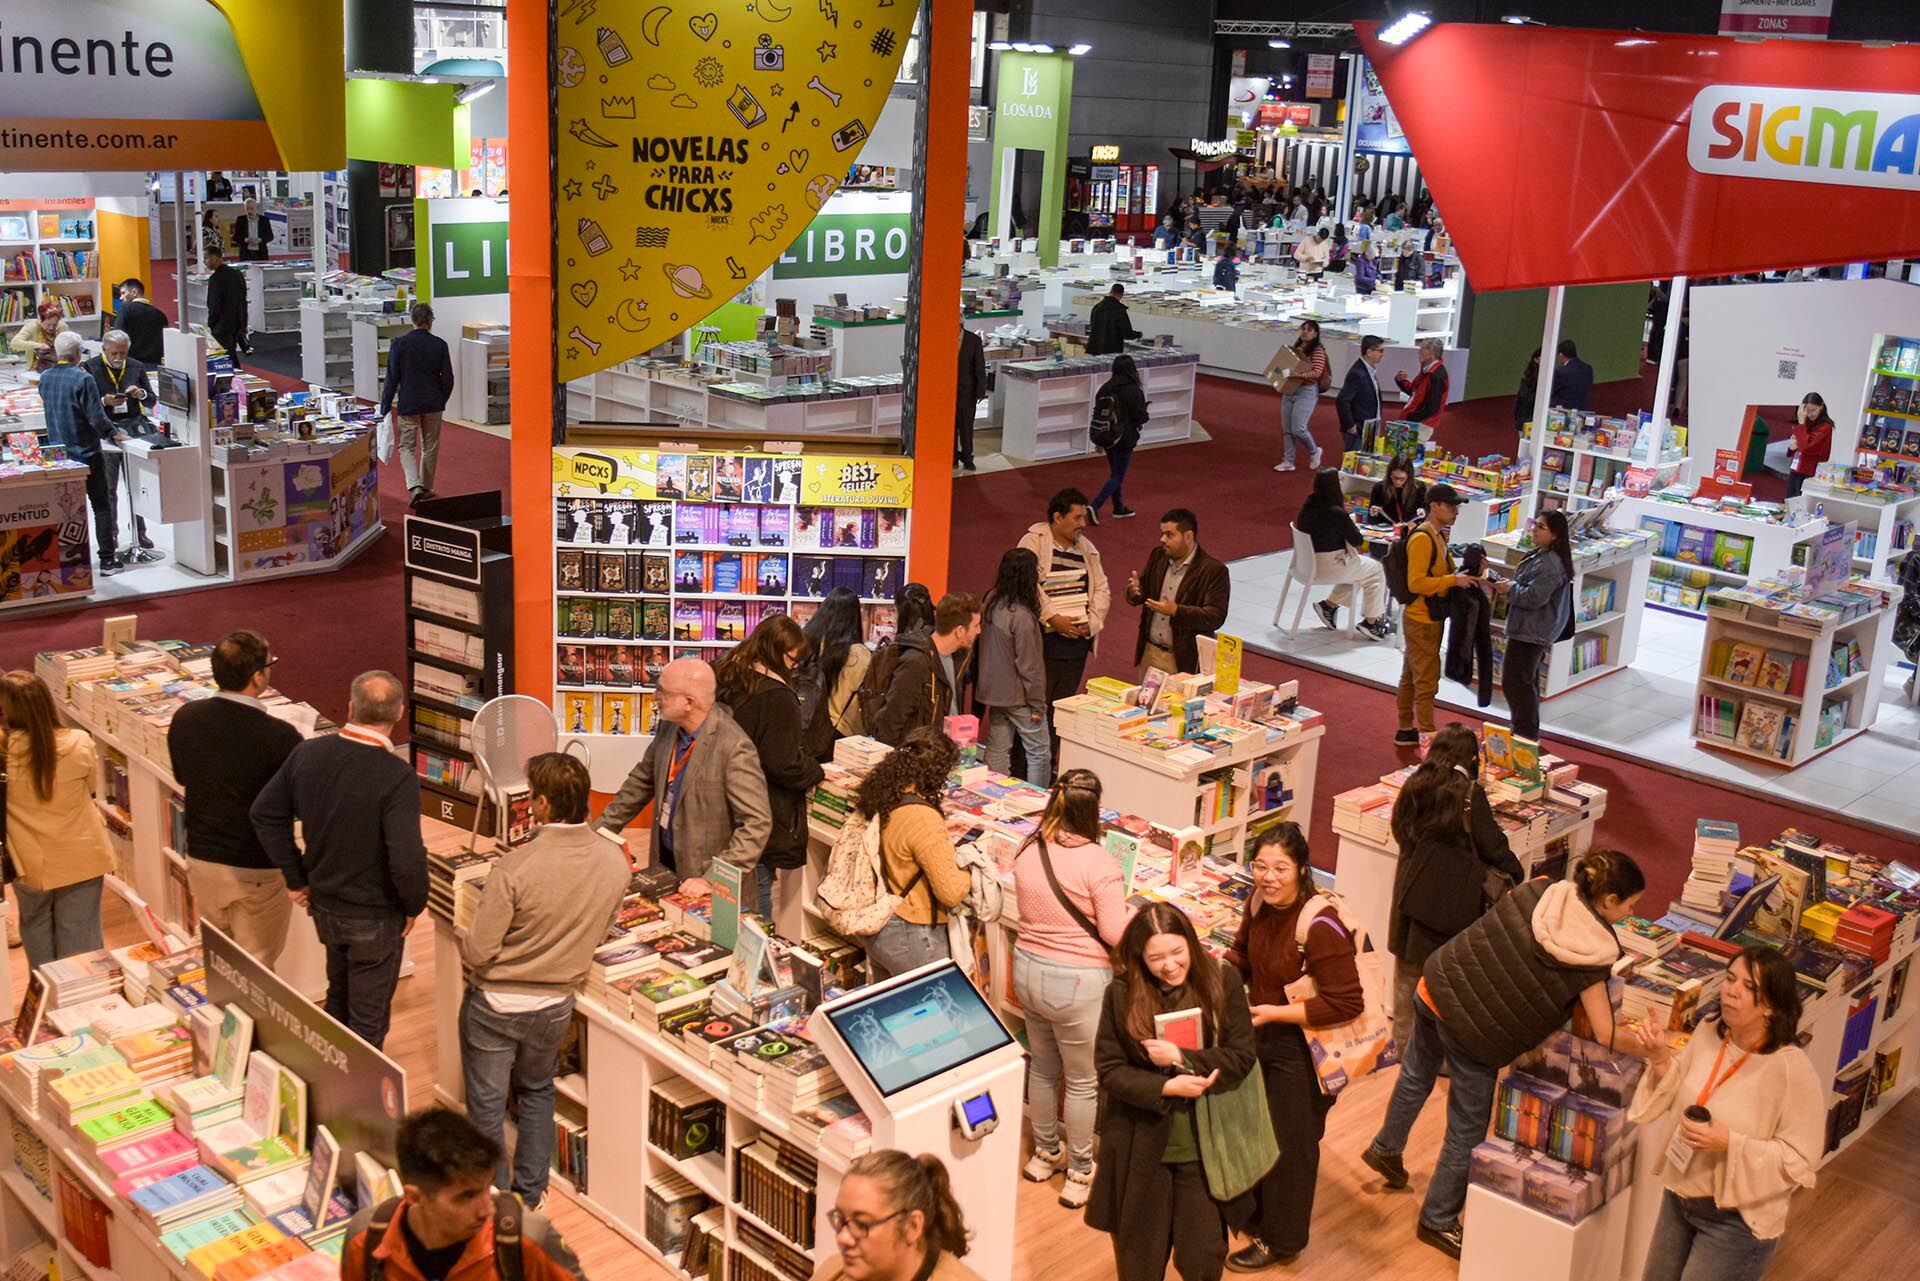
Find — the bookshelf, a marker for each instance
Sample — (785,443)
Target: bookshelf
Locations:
(484,364)
(1584,456)
(1678,584)
(1884,524)
(662,555)
(371,337)
(1047,404)
(49,249)
(1609,600)
(273,297)
(459,602)
(1890,413)
(1777,690)
(659,391)
(326,344)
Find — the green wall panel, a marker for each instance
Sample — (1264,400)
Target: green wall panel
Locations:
(1605,320)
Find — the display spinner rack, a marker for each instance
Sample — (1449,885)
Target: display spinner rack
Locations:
(38,261)
(346,1079)
(1875,517)
(1811,646)
(663,487)
(1044,407)
(1618,579)
(1772,550)
(459,584)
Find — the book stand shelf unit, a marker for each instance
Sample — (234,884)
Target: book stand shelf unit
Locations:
(1604,639)
(1044,409)
(50,249)
(1890,404)
(1772,549)
(1754,707)
(1873,517)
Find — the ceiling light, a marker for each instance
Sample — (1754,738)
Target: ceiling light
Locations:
(1079,50)
(1043,48)
(1516,20)
(1405,28)
(471,92)
(1279,44)
(999,46)
(1021,46)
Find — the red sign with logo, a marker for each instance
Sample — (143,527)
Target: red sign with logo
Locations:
(1581,157)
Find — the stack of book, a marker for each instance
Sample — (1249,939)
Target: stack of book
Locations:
(1562,1142)
(1065,593)
(193,1194)
(837,1127)
(81,1092)
(183,1239)
(683,1121)
(658,993)
(454,881)
(1645,938)
(672,1203)
(1866,929)
(775,1181)
(83,1220)
(83,977)
(159,1055)
(146,1161)
(204,1103)
(1715,842)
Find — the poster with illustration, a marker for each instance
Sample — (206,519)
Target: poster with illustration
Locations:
(259,504)
(43,541)
(309,510)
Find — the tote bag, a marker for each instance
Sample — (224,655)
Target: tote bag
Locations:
(1235,1132)
(1345,1052)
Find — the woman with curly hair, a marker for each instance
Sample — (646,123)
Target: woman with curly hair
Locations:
(902,795)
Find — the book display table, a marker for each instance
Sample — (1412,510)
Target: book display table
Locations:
(1885,523)
(46,534)
(1045,405)
(1508,1241)
(1699,549)
(648,390)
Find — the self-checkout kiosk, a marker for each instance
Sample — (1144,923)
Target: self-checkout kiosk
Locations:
(935,1070)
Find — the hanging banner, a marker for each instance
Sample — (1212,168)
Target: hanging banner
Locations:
(1244,96)
(1792,19)
(1723,146)
(1377,132)
(1319,75)
(146,85)
(695,142)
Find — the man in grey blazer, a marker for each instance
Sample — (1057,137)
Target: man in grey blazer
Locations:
(704,773)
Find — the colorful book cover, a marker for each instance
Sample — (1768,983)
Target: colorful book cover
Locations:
(656,573)
(573,664)
(612,571)
(689,523)
(700,477)
(772,576)
(578,716)
(670,476)
(892,527)
(758,487)
(812,528)
(655,527)
(729,621)
(690,572)
(1775,671)
(743,525)
(1743,663)
(1497,747)
(621,669)
(653,661)
(880,578)
(616,713)
(812,576)
(724,573)
(776,526)
(729,476)
(570,570)
(620,623)
(654,616)
(688,621)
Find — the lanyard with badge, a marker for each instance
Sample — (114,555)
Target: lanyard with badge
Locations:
(1679,1153)
(681,751)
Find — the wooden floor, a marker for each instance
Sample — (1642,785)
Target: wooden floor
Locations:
(1863,1219)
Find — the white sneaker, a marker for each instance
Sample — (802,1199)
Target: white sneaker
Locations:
(1313,463)
(1043,1165)
(1077,1189)
(1283,466)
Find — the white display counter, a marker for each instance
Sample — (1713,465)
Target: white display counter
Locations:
(1043,407)
(878,346)
(645,392)
(1872,516)
(1773,543)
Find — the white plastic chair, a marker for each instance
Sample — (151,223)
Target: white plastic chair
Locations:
(1300,568)
(508,732)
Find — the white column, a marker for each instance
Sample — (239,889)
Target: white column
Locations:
(180,251)
(1543,387)
(1669,349)
(1356,69)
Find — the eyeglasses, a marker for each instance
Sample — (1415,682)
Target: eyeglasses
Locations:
(855,1228)
(1266,869)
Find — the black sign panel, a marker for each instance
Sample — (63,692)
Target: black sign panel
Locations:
(451,550)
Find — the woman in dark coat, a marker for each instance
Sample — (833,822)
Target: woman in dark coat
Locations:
(1149,1189)
(752,680)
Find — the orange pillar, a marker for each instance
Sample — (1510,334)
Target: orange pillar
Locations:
(942,246)
(530,221)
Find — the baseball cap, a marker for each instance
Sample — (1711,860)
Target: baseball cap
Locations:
(1444,494)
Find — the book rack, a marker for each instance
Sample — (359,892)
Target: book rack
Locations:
(1609,599)
(1766,690)
(1881,525)
(1044,410)
(1678,582)
(50,249)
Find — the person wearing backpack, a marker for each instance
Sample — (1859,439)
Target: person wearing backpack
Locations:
(1010,680)
(1073,909)
(917,680)
(1449,841)
(1539,613)
(828,682)
(449,1224)
(1119,413)
(1420,572)
(902,796)
(1273,953)
(751,679)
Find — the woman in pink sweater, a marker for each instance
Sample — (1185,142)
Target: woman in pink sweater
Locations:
(1072,911)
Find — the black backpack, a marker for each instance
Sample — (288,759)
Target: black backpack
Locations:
(809,684)
(1396,567)
(509,1250)
(873,687)
(1104,430)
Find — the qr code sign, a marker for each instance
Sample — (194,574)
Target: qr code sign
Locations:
(1789,370)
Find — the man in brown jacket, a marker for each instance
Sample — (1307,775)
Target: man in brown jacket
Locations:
(703,774)
(1184,594)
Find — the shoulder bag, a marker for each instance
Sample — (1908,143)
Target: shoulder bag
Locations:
(1345,1052)
(1235,1134)
(1080,918)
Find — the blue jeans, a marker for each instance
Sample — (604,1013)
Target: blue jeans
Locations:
(1470,1088)
(60,922)
(1117,463)
(1296,411)
(1062,1004)
(763,878)
(1030,723)
(498,1051)
(901,946)
(363,968)
(1696,1240)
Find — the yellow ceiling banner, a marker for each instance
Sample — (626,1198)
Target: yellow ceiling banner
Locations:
(696,140)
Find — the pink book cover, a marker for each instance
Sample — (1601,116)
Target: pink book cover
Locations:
(129,1184)
(143,1154)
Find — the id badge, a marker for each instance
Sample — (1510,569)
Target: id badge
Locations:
(1679,1154)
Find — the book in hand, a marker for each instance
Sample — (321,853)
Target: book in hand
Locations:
(1179,1027)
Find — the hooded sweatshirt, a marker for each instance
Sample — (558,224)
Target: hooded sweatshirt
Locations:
(1512,977)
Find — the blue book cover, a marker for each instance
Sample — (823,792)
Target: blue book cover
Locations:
(812,576)
(743,525)
(776,526)
(689,572)
(849,572)
(726,573)
(178,1189)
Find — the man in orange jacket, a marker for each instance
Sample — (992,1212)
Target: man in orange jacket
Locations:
(450,1225)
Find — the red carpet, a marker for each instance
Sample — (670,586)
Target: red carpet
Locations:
(328,627)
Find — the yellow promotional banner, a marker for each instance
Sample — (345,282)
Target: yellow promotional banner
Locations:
(696,140)
(805,480)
